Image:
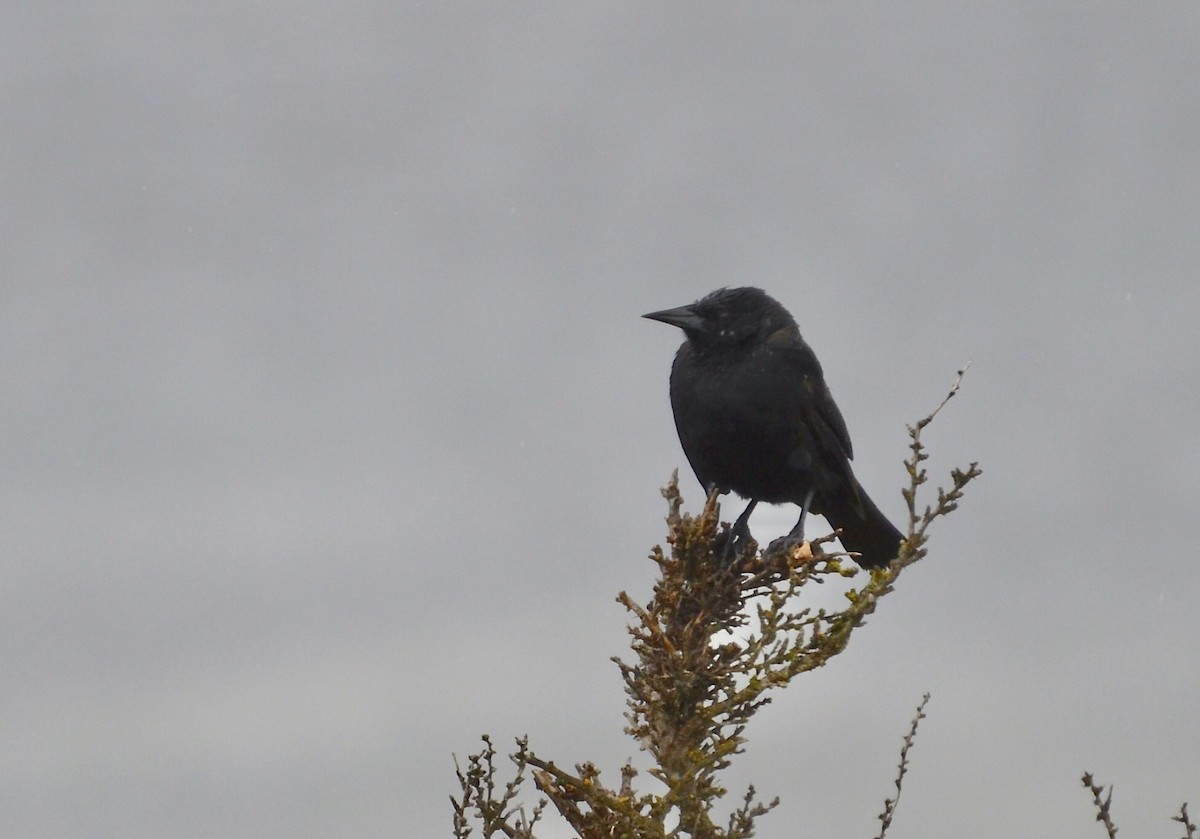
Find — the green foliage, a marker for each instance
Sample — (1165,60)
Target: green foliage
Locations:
(708,648)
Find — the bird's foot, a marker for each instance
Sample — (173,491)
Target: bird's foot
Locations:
(784,545)
(732,549)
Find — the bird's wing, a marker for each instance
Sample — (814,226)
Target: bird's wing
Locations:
(824,418)
(827,409)
(820,410)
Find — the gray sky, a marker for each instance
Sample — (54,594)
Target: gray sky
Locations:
(331,429)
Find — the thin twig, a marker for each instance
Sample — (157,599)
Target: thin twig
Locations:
(953,390)
(1103,804)
(890,804)
(1183,819)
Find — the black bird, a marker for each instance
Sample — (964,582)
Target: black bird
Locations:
(754,416)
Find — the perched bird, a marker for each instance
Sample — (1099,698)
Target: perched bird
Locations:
(755,417)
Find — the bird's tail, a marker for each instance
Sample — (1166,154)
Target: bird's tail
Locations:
(865,529)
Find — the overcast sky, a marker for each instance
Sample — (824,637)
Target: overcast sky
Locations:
(331,429)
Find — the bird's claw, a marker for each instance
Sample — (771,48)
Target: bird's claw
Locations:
(730,548)
(783,545)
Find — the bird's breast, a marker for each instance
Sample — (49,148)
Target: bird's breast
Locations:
(739,429)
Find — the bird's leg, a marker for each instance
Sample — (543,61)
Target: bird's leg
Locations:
(796,535)
(738,534)
(797,532)
(741,527)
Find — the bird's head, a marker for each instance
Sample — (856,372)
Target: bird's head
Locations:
(728,317)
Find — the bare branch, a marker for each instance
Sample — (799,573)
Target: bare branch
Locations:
(1183,819)
(890,804)
(1103,804)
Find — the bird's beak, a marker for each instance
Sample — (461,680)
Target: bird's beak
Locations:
(683,317)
